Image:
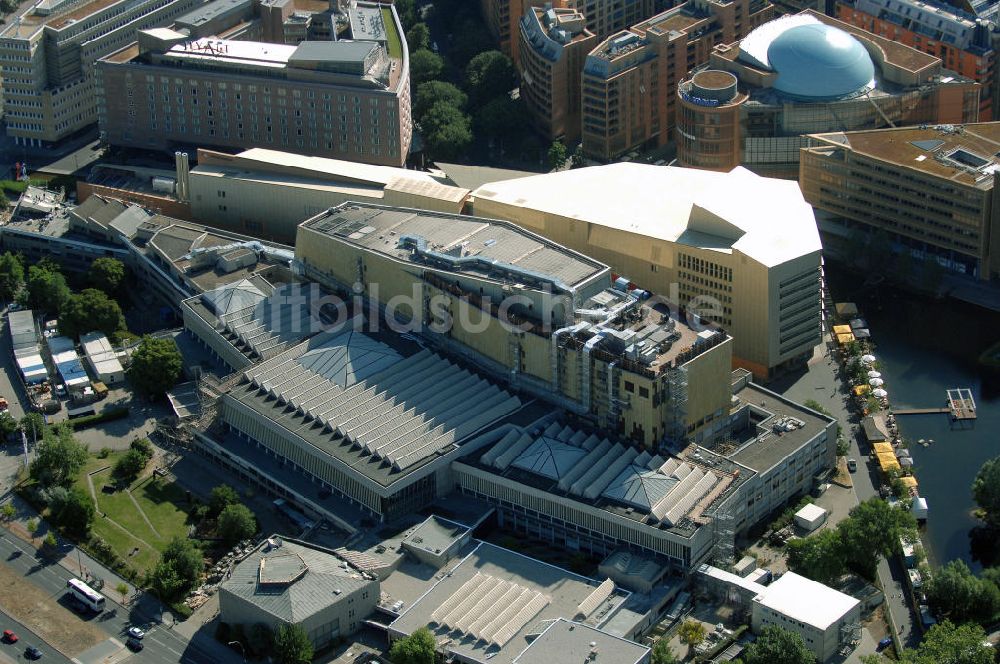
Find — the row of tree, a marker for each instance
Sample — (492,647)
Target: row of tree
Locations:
(289,644)
(872,529)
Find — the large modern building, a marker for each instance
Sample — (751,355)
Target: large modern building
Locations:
(287,582)
(603,16)
(554,44)
(47,55)
(931,189)
(741,249)
(347,99)
(541,317)
(629,79)
(757,100)
(964,44)
(825,618)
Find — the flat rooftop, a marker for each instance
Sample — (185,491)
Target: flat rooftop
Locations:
(896,53)
(212,10)
(445,239)
(567,641)
(366,404)
(965,154)
(436,534)
(805,600)
(767,411)
(767,219)
(538,594)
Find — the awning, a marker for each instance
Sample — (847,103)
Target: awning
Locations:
(905,462)
(862,333)
(909,482)
(844,339)
(860,390)
(846,309)
(883,448)
(887,461)
(858,323)
(841,329)
(873,429)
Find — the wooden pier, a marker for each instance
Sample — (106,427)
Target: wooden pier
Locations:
(961,406)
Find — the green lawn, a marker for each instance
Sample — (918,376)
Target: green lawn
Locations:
(391,35)
(163,504)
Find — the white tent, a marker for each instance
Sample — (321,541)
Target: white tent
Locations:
(876,382)
(874,374)
(868,359)
(880,393)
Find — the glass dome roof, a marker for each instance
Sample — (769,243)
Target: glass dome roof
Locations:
(816,61)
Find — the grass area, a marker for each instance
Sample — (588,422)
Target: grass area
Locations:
(163,504)
(392,35)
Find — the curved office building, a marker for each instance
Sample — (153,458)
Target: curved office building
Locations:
(757,99)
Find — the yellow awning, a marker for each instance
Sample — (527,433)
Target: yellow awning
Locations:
(841,329)
(845,339)
(862,389)
(887,461)
(909,481)
(882,448)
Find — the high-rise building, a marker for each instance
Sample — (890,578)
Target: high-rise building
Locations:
(47,55)
(932,191)
(629,79)
(347,99)
(554,45)
(757,100)
(964,44)
(603,16)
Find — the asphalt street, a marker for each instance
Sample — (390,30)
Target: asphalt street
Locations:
(162,644)
(14,652)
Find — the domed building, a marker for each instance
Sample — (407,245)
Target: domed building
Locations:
(756,101)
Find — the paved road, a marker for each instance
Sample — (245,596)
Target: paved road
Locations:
(163,645)
(823,383)
(14,652)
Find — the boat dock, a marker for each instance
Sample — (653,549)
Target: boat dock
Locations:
(961,406)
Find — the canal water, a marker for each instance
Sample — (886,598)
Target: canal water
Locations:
(925,348)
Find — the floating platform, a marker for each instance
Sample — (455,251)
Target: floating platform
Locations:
(961,406)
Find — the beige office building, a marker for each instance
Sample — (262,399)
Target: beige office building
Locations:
(742,249)
(267,194)
(554,44)
(342,99)
(630,78)
(931,189)
(539,316)
(47,55)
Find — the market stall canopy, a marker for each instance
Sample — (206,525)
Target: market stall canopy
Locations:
(860,390)
(902,452)
(905,462)
(873,431)
(909,482)
(880,393)
(844,339)
(858,323)
(868,359)
(862,333)
(874,374)
(882,448)
(876,382)
(841,329)
(887,461)
(846,309)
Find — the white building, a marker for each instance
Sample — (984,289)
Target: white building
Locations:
(823,617)
(102,359)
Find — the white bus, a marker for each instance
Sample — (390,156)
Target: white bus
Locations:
(80,590)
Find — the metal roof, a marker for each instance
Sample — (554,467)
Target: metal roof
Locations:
(817,61)
(567,641)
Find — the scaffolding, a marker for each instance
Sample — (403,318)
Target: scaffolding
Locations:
(676,429)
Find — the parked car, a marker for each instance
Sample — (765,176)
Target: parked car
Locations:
(135,645)
(9,636)
(136,632)
(852,465)
(884,643)
(31,652)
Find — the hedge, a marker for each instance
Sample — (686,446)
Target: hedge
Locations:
(106,415)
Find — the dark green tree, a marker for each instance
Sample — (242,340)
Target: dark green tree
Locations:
(143,447)
(425,65)
(489,75)
(418,37)
(32,424)
(73,511)
(155,366)
(662,654)
(447,132)
(417,648)
(58,458)
(945,643)
(47,289)
(500,117)
(129,466)
(107,275)
(292,645)
(8,425)
(11,275)
(873,529)
(955,593)
(470,38)
(557,155)
(819,557)
(986,491)
(89,311)
(578,160)
(178,570)
(260,639)
(432,92)
(777,645)
(407,11)
(236,522)
(222,497)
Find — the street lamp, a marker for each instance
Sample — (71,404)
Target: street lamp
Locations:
(242,651)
